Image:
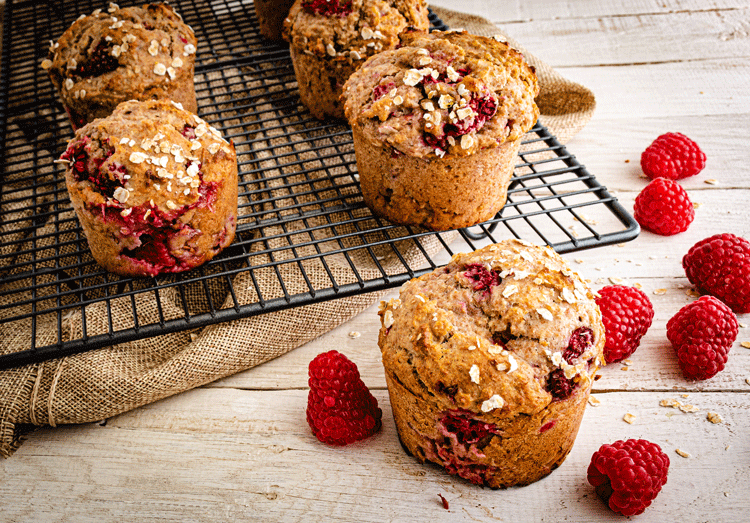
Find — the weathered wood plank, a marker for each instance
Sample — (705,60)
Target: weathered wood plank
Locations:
(526,11)
(254,457)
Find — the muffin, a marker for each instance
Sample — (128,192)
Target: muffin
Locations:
(489,362)
(437,124)
(154,187)
(330,39)
(134,53)
(271,15)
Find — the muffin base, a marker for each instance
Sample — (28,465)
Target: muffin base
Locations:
(438,194)
(321,83)
(520,451)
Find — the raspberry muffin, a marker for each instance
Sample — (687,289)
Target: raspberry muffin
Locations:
(489,363)
(330,39)
(271,15)
(154,187)
(114,55)
(437,124)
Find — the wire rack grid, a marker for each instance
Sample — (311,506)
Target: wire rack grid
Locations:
(304,234)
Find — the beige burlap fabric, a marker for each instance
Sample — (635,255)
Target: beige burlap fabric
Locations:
(102,383)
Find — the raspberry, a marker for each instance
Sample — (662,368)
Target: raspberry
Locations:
(328,7)
(720,266)
(627,314)
(628,474)
(673,156)
(663,207)
(701,334)
(340,408)
(100,61)
(557,384)
(483,279)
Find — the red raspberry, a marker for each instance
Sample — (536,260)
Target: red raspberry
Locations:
(627,475)
(328,7)
(720,266)
(701,334)
(673,156)
(627,314)
(340,407)
(663,207)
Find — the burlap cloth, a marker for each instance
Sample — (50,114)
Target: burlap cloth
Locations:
(102,383)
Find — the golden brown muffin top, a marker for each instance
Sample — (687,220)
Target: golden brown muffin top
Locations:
(443,93)
(101,51)
(492,330)
(150,154)
(351,30)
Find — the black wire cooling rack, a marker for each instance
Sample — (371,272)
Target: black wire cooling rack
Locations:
(304,233)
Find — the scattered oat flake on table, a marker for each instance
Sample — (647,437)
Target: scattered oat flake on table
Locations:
(659,292)
(354,334)
(745,344)
(711,181)
(629,418)
(713,417)
(688,408)
(594,401)
(671,402)
(693,293)
(696,205)
(682,453)
(616,280)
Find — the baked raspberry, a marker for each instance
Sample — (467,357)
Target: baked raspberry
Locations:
(483,279)
(628,474)
(720,266)
(701,334)
(581,339)
(673,156)
(340,407)
(557,384)
(328,7)
(100,61)
(381,89)
(466,429)
(663,207)
(627,314)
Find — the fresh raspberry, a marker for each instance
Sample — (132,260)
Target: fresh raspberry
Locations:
(627,314)
(340,407)
(328,7)
(673,156)
(720,266)
(701,334)
(663,207)
(627,475)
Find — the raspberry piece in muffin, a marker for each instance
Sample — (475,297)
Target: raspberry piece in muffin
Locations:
(151,197)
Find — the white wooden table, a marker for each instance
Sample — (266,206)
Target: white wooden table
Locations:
(240,449)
